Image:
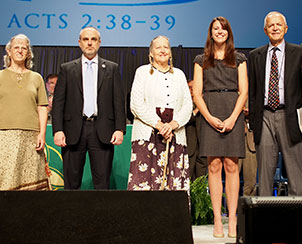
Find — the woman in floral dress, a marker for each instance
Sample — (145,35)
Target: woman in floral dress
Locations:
(162,105)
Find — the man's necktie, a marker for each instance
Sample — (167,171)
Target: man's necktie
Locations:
(273,90)
(89,90)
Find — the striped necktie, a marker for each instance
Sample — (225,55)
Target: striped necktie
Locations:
(273,90)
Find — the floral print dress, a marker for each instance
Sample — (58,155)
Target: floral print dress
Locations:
(147,166)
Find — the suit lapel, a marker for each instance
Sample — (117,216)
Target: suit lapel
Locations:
(101,72)
(262,66)
(78,73)
(288,62)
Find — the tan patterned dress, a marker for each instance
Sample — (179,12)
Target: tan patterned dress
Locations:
(21,166)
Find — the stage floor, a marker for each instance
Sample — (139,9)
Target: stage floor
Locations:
(203,234)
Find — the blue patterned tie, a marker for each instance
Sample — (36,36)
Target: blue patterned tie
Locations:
(273,90)
(89,90)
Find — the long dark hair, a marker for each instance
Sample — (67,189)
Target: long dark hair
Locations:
(209,50)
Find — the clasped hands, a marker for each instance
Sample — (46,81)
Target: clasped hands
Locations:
(222,126)
(166,129)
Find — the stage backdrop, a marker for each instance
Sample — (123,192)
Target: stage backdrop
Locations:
(120,168)
(136,22)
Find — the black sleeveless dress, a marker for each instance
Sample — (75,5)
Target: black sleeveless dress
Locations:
(221,104)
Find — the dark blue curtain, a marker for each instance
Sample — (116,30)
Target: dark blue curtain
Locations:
(47,59)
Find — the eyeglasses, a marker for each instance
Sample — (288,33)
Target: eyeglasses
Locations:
(18,49)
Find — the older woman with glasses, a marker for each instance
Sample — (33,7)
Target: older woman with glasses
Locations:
(23,109)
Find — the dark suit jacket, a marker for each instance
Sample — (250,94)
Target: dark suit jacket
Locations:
(192,134)
(292,89)
(67,111)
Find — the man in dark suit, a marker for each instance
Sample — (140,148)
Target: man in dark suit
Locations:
(88,113)
(275,94)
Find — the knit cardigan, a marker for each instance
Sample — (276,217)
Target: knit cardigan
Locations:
(143,103)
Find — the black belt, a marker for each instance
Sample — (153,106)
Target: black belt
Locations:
(222,90)
(280,107)
(91,118)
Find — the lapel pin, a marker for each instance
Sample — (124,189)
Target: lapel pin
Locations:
(103,66)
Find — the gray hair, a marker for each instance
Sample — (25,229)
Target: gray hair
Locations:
(274,13)
(89,27)
(30,55)
(151,58)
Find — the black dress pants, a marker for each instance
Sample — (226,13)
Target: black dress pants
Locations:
(100,155)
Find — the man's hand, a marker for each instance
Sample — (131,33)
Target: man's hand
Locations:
(60,139)
(117,138)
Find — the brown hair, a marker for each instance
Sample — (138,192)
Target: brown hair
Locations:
(209,50)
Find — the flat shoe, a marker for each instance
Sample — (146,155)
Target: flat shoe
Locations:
(231,235)
(218,235)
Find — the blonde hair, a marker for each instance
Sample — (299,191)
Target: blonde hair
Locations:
(30,55)
(170,61)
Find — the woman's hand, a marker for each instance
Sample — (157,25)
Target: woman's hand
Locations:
(228,124)
(159,125)
(216,123)
(173,124)
(166,131)
(40,142)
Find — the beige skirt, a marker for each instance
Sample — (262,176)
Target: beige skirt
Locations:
(21,166)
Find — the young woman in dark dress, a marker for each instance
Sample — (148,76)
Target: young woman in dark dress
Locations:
(220,92)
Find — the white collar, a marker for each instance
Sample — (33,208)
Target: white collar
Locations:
(85,60)
(281,46)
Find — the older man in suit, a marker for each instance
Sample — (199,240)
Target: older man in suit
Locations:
(88,113)
(275,94)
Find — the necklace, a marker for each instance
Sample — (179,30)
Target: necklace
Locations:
(19,79)
(19,75)
(164,71)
